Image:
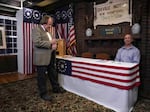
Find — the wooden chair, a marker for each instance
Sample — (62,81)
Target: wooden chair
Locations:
(87,55)
(104,56)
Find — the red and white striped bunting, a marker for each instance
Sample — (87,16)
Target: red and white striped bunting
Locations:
(119,77)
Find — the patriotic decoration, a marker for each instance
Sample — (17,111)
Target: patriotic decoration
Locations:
(65,28)
(32,16)
(31,19)
(64,66)
(109,75)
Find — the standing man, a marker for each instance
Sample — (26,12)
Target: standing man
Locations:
(128,53)
(44,57)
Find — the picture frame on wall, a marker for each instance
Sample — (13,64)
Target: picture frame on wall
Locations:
(2,38)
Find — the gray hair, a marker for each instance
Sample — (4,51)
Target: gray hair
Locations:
(45,18)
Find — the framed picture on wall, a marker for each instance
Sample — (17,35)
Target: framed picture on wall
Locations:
(2,38)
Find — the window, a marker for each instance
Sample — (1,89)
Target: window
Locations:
(8,25)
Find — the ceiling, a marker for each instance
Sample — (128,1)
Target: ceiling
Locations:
(9,7)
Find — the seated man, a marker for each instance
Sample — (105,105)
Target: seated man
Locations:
(128,53)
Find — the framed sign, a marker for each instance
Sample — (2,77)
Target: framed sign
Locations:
(110,31)
(2,38)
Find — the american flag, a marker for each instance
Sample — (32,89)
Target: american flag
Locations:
(62,30)
(71,46)
(114,76)
(65,28)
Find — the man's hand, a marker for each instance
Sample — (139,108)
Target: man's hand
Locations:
(53,41)
(54,46)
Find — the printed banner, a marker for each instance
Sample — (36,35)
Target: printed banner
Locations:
(112,12)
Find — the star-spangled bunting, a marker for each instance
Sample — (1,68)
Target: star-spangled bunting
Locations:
(63,66)
(31,19)
(32,16)
(118,77)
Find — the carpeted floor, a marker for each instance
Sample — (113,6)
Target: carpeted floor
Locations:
(22,96)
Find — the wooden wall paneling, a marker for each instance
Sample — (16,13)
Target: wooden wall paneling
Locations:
(8,63)
(144,90)
(80,12)
(85,9)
